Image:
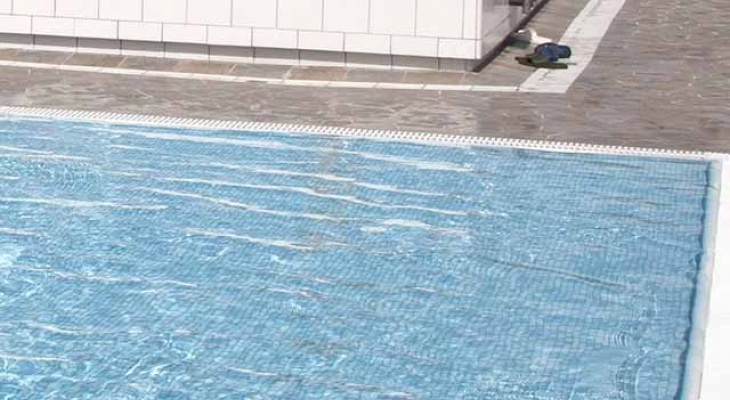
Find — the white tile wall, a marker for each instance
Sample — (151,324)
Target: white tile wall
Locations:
(255,13)
(53,26)
(172,11)
(414,46)
(346,15)
(457,48)
(230,36)
(34,7)
(393,17)
(150,31)
(440,18)
(454,29)
(77,8)
(6,6)
(211,12)
(15,23)
(124,10)
(366,43)
(327,41)
(275,38)
(300,14)
(472,14)
(183,33)
(96,28)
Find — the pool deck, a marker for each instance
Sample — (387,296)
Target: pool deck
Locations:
(658,79)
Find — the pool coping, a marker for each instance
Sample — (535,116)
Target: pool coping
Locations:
(708,351)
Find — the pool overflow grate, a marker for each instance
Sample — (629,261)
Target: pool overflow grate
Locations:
(410,136)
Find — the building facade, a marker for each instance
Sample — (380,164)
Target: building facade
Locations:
(427,34)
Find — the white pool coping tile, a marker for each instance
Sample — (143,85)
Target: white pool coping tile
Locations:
(122,71)
(400,86)
(352,85)
(489,88)
(716,368)
(448,88)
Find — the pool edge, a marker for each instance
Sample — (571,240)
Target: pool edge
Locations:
(430,138)
(707,361)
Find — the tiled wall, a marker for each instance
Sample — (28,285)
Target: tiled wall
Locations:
(377,30)
(497,20)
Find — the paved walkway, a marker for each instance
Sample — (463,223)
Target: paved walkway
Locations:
(659,79)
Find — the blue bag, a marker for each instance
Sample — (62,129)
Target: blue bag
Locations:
(553,51)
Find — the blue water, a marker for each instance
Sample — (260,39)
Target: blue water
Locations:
(150,263)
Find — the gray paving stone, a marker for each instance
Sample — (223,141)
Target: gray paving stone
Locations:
(149,63)
(374,75)
(9,54)
(203,67)
(437,78)
(319,73)
(97,60)
(262,71)
(43,57)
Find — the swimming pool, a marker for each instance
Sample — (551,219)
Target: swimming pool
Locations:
(141,262)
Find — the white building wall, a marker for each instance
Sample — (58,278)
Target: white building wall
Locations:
(453,29)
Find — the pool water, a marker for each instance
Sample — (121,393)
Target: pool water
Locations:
(152,263)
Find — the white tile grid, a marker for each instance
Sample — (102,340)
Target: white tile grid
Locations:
(417,27)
